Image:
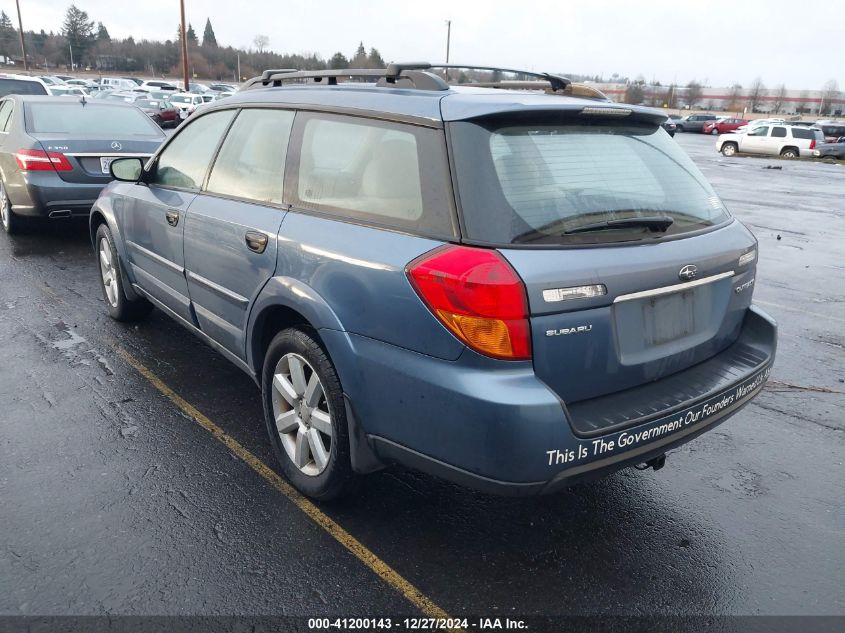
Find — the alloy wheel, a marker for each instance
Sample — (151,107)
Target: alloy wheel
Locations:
(302,415)
(108,272)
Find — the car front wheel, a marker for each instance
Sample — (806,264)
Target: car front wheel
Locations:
(714,132)
(305,413)
(729,149)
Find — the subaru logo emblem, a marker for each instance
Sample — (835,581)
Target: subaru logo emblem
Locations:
(116,145)
(688,272)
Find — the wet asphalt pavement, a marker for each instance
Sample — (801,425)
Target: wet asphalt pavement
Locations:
(113,501)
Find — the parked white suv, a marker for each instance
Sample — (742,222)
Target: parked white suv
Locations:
(773,139)
(117,83)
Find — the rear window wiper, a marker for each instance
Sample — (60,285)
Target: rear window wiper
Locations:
(655,224)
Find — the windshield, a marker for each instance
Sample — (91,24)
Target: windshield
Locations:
(95,120)
(533,184)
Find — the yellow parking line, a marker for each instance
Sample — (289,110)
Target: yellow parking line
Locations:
(358,549)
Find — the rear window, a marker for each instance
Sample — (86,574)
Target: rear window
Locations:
(833,130)
(21,87)
(532,184)
(97,120)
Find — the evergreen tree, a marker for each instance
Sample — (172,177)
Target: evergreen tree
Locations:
(102,33)
(338,60)
(359,60)
(208,37)
(78,29)
(7,35)
(192,35)
(374,59)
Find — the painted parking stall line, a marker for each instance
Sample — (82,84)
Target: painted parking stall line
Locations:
(336,531)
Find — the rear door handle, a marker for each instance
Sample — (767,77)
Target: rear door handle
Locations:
(255,241)
(172,217)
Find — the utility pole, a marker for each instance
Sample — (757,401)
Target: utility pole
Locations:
(184,47)
(448,38)
(20,32)
(238,78)
(70,46)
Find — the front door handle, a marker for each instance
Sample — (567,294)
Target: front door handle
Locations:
(255,241)
(172,217)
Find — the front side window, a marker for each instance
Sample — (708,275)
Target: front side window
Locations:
(528,183)
(386,173)
(251,163)
(762,130)
(185,160)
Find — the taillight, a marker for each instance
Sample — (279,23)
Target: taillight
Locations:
(813,144)
(477,295)
(39,160)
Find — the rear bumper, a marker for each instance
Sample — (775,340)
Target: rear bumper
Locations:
(45,194)
(501,430)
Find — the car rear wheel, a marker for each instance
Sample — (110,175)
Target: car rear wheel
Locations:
(679,128)
(305,413)
(789,152)
(729,149)
(10,221)
(120,307)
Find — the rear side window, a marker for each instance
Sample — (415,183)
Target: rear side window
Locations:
(251,163)
(779,132)
(385,173)
(799,132)
(185,160)
(21,87)
(533,184)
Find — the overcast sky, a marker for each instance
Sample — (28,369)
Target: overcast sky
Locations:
(715,41)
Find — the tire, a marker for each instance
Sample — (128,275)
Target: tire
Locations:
(11,222)
(119,306)
(830,160)
(789,152)
(679,128)
(302,416)
(729,149)
(714,132)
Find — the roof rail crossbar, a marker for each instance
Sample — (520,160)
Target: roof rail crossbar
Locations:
(557,82)
(417,75)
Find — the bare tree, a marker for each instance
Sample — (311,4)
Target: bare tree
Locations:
(829,93)
(261,43)
(755,94)
(780,97)
(734,96)
(670,97)
(694,93)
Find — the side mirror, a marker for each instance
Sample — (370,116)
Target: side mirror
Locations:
(126,169)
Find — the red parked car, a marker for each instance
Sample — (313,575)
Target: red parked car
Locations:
(160,111)
(723,126)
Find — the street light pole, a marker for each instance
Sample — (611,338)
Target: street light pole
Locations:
(448,38)
(20,31)
(184,47)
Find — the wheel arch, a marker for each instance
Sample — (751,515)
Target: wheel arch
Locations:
(284,302)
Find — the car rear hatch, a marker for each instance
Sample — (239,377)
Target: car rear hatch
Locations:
(633,269)
(90,136)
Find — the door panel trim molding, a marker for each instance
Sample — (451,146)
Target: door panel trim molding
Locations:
(155,257)
(234,297)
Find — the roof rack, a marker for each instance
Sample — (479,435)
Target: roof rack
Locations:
(416,75)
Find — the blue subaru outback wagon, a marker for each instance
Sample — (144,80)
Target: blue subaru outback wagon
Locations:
(511,289)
